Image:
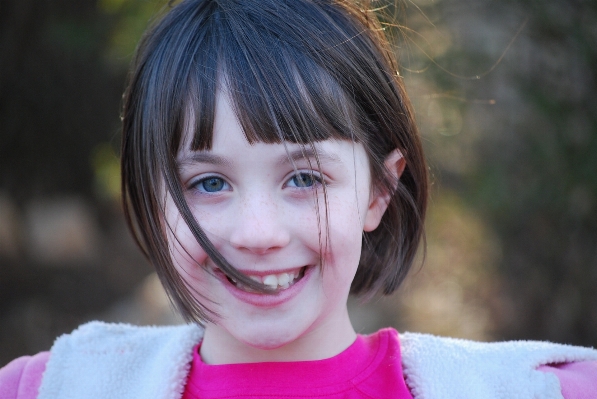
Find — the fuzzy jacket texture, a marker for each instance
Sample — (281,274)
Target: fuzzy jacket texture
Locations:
(113,361)
(442,368)
(117,361)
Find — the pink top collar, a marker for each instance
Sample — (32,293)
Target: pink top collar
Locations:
(370,367)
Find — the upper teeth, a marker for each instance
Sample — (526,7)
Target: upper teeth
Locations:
(282,280)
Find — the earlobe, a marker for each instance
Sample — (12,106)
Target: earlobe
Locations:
(380,197)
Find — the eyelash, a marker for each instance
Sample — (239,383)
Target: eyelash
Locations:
(311,177)
(317,180)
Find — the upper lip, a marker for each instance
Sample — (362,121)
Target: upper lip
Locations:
(262,273)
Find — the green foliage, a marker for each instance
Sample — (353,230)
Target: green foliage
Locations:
(131,19)
(525,153)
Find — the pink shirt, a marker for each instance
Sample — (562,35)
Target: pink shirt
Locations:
(369,368)
(21,378)
(357,369)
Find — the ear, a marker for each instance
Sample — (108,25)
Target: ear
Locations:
(379,197)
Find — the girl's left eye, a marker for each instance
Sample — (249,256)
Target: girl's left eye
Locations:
(212,184)
(304,180)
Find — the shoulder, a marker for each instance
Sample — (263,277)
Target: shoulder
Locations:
(111,334)
(98,340)
(22,377)
(117,360)
(577,380)
(535,352)
(445,367)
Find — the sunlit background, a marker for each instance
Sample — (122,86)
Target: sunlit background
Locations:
(505,93)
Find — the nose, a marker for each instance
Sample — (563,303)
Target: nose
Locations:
(260,225)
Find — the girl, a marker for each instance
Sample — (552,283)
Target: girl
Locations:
(271,166)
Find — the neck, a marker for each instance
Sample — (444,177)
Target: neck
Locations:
(328,340)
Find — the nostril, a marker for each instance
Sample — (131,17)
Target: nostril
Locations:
(260,250)
(261,240)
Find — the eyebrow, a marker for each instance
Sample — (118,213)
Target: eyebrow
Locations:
(203,157)
(307,154)
(289,158)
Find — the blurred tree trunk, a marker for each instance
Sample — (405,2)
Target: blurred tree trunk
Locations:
(58,98)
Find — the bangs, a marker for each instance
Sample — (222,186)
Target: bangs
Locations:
(292,93)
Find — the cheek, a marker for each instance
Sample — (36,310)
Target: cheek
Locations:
(186,253)
(345,231)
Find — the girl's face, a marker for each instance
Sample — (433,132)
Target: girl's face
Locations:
(263,208)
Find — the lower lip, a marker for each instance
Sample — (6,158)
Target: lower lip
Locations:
(268,300)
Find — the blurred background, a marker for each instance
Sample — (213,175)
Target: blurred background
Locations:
(505,93)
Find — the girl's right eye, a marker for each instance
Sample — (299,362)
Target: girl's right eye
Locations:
(211,184)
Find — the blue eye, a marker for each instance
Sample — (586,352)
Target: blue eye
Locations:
(304,180)
(211,184)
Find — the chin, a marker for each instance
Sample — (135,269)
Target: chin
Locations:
(267,343)
(269,335)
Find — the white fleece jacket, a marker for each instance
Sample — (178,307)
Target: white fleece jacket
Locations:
(118,361)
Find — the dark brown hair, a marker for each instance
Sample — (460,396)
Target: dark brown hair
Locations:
(295,70)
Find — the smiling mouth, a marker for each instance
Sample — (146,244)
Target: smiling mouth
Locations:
(277,282)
